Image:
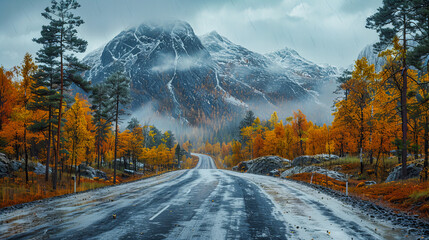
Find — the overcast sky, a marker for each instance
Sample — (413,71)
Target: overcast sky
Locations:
(323,31)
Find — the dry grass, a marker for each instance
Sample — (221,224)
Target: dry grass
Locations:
(410,196)
(15,191)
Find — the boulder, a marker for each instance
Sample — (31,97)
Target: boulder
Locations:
(295,170)
(326,157)
(413,171)
(304,161)
(15,165)
(89,172)
(40,169)
(243,166)
(265,165)
(4,165)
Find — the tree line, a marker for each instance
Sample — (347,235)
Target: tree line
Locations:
(41,118)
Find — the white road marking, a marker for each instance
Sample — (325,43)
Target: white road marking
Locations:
(156,215)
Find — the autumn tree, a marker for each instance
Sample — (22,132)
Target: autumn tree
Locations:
(136,140)
(8,95)
(76,131)
(236,153)
(300,127)
(396,19)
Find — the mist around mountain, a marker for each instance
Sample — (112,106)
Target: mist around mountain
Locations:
(199,80)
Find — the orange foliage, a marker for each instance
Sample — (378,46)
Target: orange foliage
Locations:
(8,94)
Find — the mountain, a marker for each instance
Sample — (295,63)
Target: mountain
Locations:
(189,77)
(301,70)
(373,58)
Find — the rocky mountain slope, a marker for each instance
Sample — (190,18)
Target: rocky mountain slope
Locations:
(373,58)
(188,77)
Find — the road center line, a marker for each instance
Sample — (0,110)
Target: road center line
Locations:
(156,215)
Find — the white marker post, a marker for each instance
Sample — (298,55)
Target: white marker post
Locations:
(347,185)
(311,180)
(75,183)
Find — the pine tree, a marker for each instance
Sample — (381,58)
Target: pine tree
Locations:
(27,70)
(178,154)
(60,41)
(102,117)
(246,122)
(46,97)
(118,86)
(419,56)
(395,19)
(133,123)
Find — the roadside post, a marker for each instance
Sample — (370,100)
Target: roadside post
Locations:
(347,185)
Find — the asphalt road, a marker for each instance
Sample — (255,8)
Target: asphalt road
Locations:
(202,203)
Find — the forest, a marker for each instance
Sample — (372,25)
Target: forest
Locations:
(51,117)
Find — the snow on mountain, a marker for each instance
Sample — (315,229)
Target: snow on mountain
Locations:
(303,71)
(373,58)
(188,77)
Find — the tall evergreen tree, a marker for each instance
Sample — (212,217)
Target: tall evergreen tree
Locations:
(420,55)
(46,98)
(59,39)
(395,18)
(118,86)
(102,115)
(169,139)
(133,123)
(27,70)
(247,121)
(178,154)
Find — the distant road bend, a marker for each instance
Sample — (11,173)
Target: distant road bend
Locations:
(201,203)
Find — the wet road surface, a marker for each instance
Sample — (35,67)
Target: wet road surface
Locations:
(202,203)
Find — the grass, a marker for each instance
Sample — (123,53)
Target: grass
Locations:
(14,190)
(377,171)
(411,196)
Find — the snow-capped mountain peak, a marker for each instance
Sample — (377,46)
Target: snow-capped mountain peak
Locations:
(189,76)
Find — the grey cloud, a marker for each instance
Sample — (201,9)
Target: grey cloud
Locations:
(323,31)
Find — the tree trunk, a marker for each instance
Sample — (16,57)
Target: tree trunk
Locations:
(426,139)
(98,153)
(54,181)
(48,147)
(25,153)
(116,139)
(16,146)
(404,106)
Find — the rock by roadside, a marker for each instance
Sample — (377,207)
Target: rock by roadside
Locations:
(263,165)
(413,170)
(89,172)
(8,166)
(295,170)
(306,160)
